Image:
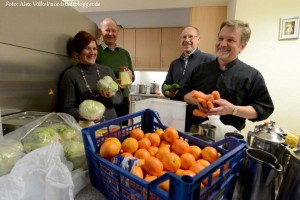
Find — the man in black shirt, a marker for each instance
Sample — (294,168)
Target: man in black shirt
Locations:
(244,94)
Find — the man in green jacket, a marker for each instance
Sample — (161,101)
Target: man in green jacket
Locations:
(113,56)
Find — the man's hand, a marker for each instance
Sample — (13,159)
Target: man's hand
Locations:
(221,107)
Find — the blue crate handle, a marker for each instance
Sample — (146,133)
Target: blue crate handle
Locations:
(147,121)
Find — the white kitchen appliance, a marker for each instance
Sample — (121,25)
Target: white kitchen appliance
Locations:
(172,113)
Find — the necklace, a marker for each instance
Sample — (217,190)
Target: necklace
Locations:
(88,85)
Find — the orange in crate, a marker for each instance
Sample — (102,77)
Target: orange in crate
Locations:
(180,147)
(130,145)
(142,154)
(153,166)
(195,151)
(137,133)
(210,154)
(170,134)
(109,149)
(171,162)
(154,139)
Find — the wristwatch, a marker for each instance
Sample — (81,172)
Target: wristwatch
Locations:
(235,110)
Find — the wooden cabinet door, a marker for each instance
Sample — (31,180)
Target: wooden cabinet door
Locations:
(208,21)
(120,39)
(129,44)
(170,46)
(148,47)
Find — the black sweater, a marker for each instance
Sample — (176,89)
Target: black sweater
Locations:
(73,90)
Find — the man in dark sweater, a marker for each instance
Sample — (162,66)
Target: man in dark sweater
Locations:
(111,55)
(180,69)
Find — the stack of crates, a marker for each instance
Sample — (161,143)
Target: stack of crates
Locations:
(116,183)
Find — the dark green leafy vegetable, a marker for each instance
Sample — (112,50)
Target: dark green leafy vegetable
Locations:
(172,88)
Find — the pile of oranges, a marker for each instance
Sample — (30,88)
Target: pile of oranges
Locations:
(160,152)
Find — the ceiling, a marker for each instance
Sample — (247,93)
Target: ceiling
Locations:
(122,5)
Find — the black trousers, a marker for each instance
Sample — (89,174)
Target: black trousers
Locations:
(123,109)
(188,117)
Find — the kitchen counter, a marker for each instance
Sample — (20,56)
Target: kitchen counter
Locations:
(133,97)
(148,95)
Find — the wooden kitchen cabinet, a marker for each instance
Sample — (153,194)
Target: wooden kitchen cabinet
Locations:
(126,40)
(129,43)
(120,39)
(148,48)
(151,48)
(170,46)
(208,21)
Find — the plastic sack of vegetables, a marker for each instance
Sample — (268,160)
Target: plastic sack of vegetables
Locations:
(91,110)
(221,128)
(10,152)
(40,137)
(66,132)
(74,152)
(61,123)
(107,84)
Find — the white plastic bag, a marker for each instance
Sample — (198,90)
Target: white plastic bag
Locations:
(50,119)
(221,128)
(40,174)
(10,152)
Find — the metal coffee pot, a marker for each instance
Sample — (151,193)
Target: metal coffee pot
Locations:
(207,130)
(257,178)
(269,138)
(290,185)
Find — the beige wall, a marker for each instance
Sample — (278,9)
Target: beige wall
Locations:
(277,60)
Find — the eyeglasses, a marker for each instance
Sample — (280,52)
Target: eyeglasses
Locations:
(190,37)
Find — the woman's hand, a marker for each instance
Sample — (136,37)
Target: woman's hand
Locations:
(106,94)
(130,74)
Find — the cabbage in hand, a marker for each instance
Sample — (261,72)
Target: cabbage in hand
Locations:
(107,85)
(91,110)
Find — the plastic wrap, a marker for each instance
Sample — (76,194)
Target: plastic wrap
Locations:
(10,152)
(221,128)
(40,174)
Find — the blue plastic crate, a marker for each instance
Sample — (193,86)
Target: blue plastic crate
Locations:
(117,183)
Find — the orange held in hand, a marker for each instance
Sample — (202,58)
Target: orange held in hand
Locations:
(205,100)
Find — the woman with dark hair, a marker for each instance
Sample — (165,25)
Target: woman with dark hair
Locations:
(79,83)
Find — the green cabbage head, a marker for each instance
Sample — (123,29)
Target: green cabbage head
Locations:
(74,152)
(65,131)
(40,137)
(10,152)
(107,84)
(91,110)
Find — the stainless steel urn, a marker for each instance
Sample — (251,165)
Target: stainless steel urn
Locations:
(290,185)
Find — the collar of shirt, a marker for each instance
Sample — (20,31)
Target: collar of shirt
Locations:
(104,46)
(190,54)
(231,64)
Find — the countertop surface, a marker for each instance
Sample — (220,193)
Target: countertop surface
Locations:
(148,95)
